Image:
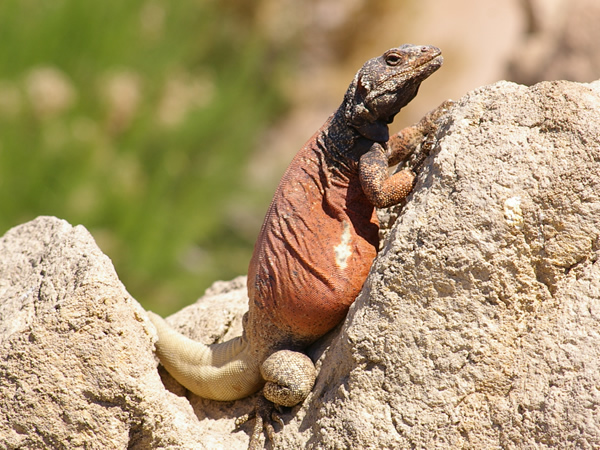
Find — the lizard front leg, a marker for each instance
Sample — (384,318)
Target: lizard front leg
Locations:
(381,189)
(403,144)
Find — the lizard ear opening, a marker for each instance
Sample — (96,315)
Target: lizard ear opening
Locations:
(362,90)
(355,111)
(359,116)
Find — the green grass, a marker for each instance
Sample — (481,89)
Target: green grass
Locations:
(156,109)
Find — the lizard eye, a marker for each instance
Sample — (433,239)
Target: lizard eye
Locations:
(393,59)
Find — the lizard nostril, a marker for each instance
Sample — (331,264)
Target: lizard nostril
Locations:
(423,49)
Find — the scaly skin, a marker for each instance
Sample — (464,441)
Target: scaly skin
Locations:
(317,242)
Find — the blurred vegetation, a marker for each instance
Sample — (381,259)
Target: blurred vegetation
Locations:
(136,119)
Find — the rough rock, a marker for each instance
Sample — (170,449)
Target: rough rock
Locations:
(77,368)
(477,327)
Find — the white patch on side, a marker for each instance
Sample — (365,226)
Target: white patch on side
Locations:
(513,213)
(343,251)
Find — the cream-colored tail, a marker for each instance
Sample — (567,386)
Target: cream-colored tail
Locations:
(220,371)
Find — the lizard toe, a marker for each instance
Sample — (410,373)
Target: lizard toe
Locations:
(264,415)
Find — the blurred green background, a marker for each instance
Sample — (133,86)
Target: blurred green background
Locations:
(136,119)
(163,127)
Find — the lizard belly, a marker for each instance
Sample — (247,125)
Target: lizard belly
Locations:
(314,251)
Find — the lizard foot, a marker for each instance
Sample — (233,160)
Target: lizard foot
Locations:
(417,159)
(264,415)
(429,125)
(289,376)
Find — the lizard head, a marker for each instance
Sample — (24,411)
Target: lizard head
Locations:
(386,84)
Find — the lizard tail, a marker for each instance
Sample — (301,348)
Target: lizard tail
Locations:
(222,371)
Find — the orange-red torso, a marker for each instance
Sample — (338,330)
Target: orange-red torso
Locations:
(315,248)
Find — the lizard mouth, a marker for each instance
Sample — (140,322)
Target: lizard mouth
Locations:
(435,62)
(425,67)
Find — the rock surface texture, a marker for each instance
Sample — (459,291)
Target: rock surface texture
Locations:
(77,368)
(478,326)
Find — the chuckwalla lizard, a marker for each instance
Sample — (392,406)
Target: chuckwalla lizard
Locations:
(317,242)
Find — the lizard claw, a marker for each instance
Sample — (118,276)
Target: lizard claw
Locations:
(275,417)
(428,123)
(441,109)
(418,158)
(264,415)
(289,378)
(446,105)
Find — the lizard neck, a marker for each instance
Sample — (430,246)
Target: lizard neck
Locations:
(343,144)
